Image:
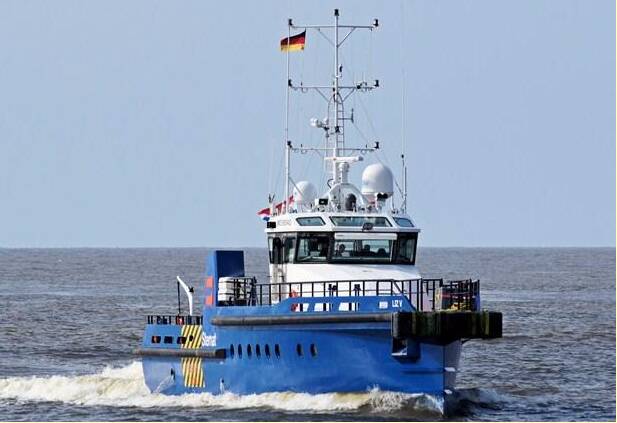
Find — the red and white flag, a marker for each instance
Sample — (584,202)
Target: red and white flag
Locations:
(266,213)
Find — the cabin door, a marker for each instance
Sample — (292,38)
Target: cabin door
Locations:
(277,270)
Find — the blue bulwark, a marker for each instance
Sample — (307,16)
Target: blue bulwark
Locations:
(220,264)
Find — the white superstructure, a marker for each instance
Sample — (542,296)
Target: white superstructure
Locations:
(340,232)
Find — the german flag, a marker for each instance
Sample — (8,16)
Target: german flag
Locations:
(294,43)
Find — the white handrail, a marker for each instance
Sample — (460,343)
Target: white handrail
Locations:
(189,294)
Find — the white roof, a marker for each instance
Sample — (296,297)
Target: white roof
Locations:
(288,222)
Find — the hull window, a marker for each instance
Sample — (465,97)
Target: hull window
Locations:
(257,351)
(313,350)
(249,351)
(267,350)
(299,350)
(277,350)
(231,351)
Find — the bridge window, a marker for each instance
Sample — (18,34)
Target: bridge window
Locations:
(310,221)
(313,350)
(407,248)
(290,249)
(277,251)
(156,339)
(282,248)
(231,350)
(267,350)
(362,250)
(277,350)
(313,248)
(271,249)
(359,221)
(403,222)
(257,351)
(239,351)
(249,350)
(181,340)
(168,340)
(299,350)
(344,247)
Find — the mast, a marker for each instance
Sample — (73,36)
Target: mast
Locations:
(335,94)
(287,141)
(338,137)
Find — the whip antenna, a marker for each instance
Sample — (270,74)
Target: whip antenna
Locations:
(403,115)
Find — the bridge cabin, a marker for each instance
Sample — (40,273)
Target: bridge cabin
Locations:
(347,246)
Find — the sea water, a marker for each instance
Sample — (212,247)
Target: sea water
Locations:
(69,319)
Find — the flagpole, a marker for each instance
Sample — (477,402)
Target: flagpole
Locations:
(287,142)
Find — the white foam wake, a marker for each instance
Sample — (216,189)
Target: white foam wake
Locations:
(125,387)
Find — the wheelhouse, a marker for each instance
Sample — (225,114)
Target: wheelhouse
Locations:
(343,239)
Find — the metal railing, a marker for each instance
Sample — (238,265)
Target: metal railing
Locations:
(155,319)
(461,294)
(423,294)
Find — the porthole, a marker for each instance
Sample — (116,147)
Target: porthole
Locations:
(277,350)
(231,350)
(267,350)
(313,349)
(249,350)
(299,350)
(257,351)
(239,351)
(156,339)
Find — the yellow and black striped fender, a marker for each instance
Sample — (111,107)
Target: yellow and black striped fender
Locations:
(192,367)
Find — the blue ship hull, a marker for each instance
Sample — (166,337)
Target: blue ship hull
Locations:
(335,340)
(312,359)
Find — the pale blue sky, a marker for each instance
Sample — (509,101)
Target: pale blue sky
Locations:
(149,123)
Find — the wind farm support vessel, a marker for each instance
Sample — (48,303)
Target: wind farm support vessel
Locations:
(345,308)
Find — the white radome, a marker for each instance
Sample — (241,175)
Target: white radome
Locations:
(377,179)
(304,193)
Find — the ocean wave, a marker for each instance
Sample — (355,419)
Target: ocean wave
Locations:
(125,387)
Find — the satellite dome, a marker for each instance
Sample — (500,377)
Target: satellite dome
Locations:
(377,179)
(304,193)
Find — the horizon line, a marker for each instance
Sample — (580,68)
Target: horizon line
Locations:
(265,247)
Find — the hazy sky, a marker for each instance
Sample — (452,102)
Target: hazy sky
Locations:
(161,123)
